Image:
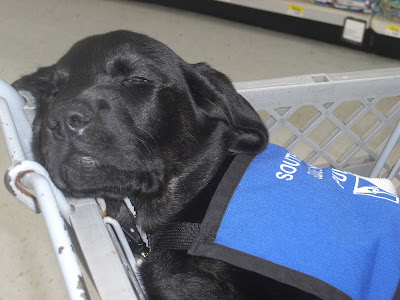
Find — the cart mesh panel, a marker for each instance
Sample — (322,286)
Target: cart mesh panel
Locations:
(346,135)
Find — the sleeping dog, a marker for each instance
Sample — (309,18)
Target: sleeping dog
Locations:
(121,115)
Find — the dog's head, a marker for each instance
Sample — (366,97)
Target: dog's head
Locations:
(120,114)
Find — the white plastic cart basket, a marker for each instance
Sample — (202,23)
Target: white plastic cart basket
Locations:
(347,121)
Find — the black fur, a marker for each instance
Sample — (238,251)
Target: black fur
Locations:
(121,115)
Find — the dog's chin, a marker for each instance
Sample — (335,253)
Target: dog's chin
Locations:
(88,187)
(94,180)
(83,180)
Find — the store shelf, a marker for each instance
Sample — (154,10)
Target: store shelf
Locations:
(369,32)
(307,10)
(385,38)
(383,26)
(302,9)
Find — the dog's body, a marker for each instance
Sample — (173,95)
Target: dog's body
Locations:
(120,115)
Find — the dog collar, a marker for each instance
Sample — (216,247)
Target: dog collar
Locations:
(136,237)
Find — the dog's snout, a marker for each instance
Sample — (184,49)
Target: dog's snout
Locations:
(69,119)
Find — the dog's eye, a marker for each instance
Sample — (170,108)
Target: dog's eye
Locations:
(135,79)
(50,97)
(54,94)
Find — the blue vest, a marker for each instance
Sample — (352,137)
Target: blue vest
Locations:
(324,231)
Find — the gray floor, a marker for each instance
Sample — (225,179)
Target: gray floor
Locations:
(37,33)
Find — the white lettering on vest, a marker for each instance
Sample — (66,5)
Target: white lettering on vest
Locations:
(281,175)
(288,166)
(339,177)
(315,171)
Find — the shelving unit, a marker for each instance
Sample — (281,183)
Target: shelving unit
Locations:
(386,38)
(302,9)
(383,26)
(370,32)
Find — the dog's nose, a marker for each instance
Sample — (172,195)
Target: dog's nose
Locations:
(71,118)
(78,118)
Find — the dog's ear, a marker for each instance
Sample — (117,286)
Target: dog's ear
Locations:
(42,83)
(216,97)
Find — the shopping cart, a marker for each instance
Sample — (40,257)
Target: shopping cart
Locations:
(348,121)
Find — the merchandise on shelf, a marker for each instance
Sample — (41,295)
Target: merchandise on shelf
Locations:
(391,9)
(365,6)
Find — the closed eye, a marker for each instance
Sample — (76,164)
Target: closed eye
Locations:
(51,95)
(54,93)
(135,79)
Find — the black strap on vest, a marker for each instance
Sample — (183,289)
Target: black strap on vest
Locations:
(177,236)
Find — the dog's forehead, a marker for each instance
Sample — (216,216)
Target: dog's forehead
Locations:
(106,50)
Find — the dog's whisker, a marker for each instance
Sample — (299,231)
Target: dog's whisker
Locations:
(185,131)
(182,184)
(220,109)
(144,158)
(147,147)
(133,164)
(191,136)
(148,133)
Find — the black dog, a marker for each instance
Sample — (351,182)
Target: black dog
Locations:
(121,115)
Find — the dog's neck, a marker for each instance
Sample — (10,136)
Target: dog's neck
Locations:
(194,212)
(196,209)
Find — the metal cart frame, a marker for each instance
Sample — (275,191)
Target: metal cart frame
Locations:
(77,226)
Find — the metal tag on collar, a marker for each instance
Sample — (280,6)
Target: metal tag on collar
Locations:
(135,236)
